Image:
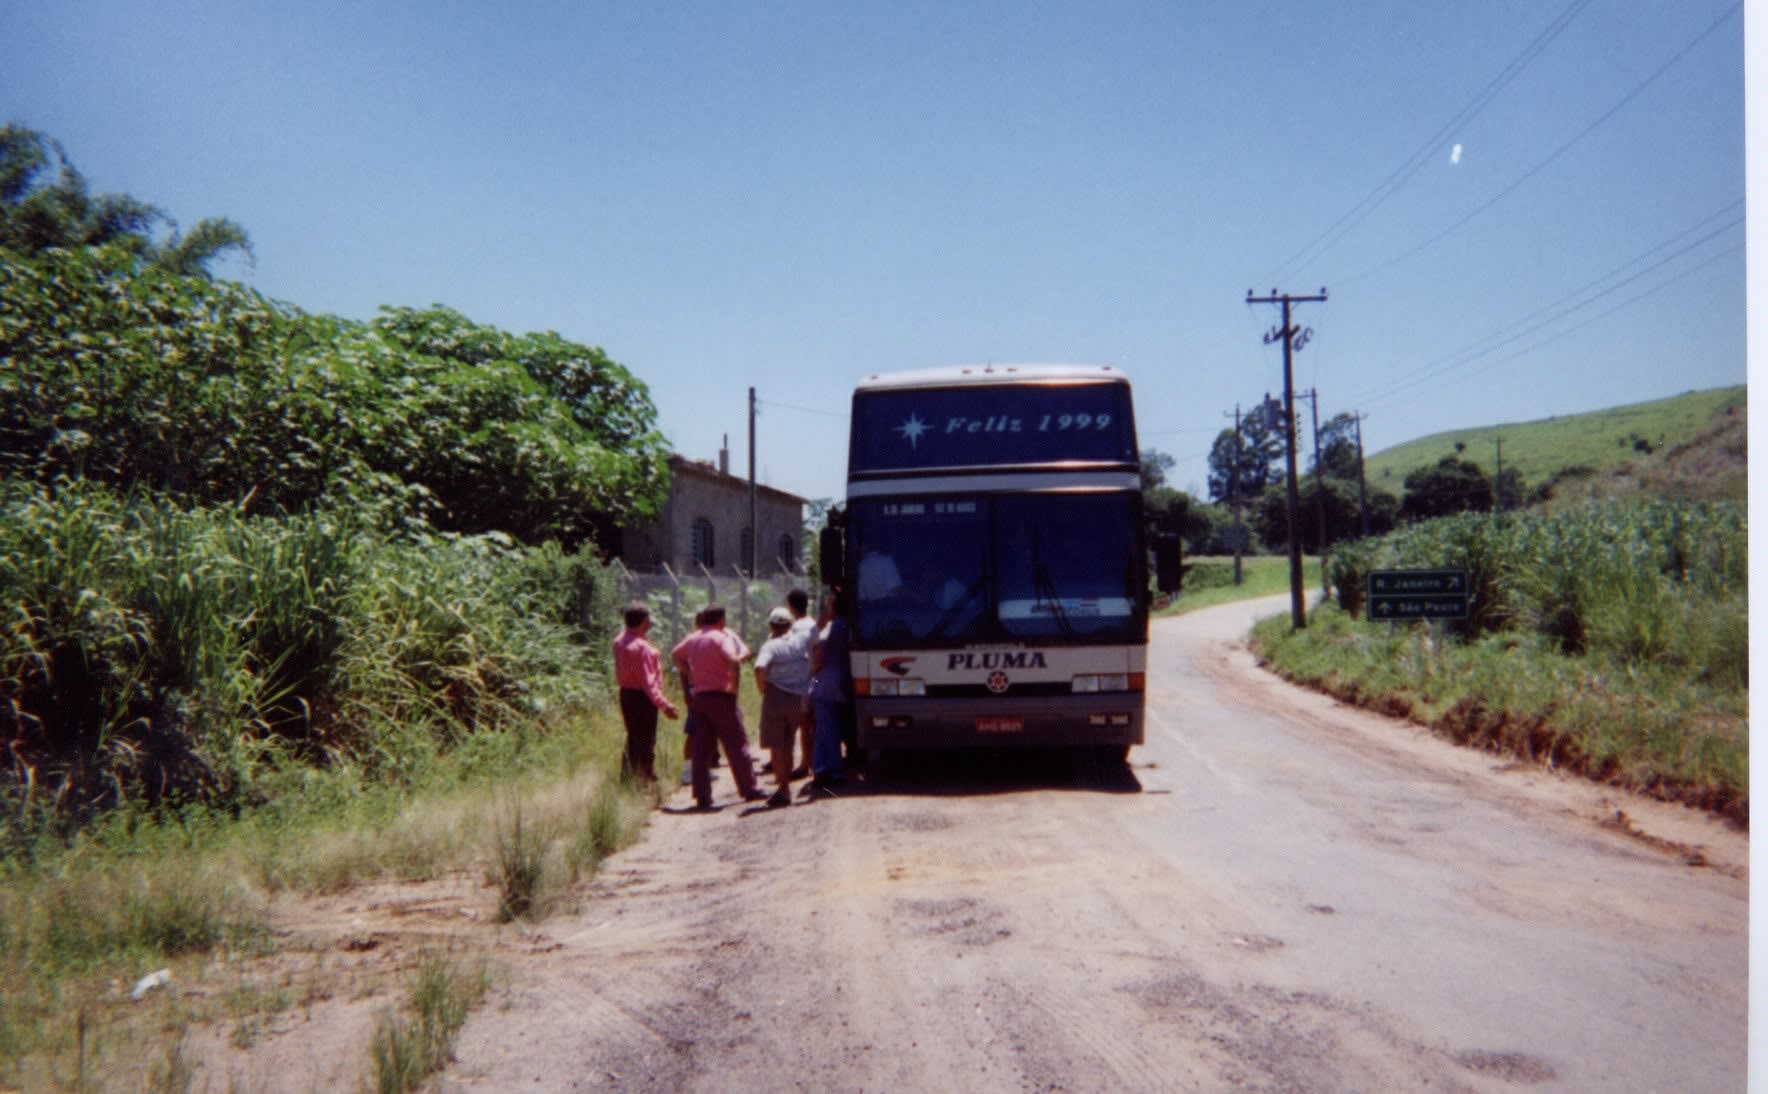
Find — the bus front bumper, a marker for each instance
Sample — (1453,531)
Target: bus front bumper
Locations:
(1104,718)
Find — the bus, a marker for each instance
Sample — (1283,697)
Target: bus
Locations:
(993,559)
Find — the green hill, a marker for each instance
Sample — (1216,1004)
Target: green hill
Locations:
(1642,441)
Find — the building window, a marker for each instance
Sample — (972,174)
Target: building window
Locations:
(703,553)
(748,550)
(788,553)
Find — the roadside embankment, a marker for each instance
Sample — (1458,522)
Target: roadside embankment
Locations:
(1611,642)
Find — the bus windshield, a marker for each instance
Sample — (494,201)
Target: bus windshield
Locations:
(954,570)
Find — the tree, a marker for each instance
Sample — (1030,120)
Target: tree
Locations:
(38,213)
(1510,490)
(1155,465)
(1343,515)
(1451,486)
(139,377)
(1257,446)
(1338,447)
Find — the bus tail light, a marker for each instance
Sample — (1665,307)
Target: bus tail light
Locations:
(862,686)
(1138,681)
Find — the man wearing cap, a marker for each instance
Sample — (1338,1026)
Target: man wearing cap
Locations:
(804,628)
(782,676)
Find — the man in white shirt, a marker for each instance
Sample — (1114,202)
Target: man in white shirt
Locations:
(804,628)
(782,675)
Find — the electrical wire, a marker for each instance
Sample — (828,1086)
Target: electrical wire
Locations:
(1411,165)
(1627,303)
(1469,354)
(800,409)
(1560,151)
(1506,334)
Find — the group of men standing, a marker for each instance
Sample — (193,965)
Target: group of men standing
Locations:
(802,672)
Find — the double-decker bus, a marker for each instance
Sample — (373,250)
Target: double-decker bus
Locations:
(994,559)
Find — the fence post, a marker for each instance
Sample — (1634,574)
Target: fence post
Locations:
(631,595)
(743,587)
(674,607)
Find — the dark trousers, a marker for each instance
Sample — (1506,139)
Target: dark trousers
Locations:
(640,715)
(719,722)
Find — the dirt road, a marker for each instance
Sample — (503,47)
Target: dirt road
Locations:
(1278,894)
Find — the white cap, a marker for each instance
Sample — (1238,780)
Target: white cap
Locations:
(780,615)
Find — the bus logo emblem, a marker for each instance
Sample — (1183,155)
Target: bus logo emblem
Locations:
(912,429)
(997,682)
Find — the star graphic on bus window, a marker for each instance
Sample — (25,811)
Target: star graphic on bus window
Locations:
(912,429)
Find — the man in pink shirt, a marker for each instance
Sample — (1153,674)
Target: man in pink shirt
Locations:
(708,660)
(638,672)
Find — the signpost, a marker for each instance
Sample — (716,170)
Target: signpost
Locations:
(1401,595)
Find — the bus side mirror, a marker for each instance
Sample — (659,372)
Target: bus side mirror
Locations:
(1169,570)
(831,555)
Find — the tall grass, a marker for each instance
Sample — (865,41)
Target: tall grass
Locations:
(407,1050)
(198,709)
(1662,582)
(151,652)
(1611,639)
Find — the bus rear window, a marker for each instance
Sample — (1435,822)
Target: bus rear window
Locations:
(983,426)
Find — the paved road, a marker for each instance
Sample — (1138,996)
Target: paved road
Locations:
(1278,894)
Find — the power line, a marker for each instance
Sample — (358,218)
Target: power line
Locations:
(1627,303)
(1464,358)
(1528,324)
(1561,150)
(1411,165)
(801,409)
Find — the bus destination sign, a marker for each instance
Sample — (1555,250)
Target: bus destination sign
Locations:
(1399,595)
(987,425)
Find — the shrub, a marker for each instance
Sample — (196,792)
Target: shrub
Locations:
(156,653)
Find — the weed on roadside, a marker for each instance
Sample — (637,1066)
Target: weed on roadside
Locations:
(408,1049)
(1645,727)
(520,868)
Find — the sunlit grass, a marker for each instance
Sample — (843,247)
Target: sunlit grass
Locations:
(1639,726)
(408,1048)
(81,921)
(1210,581)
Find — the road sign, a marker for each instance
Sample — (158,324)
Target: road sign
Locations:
(1398,595)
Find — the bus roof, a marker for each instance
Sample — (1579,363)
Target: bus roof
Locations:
(956,375)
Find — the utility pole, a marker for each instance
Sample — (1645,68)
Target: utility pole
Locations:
(1498,483)
(1312,395)
(1362,484)
(1290,337)
(754,532)
(1234,499)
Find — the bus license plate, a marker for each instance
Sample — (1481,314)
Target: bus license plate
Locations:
(1000,725)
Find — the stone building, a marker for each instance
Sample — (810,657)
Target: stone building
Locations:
(705,522)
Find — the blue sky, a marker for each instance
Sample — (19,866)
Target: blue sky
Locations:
(797,196)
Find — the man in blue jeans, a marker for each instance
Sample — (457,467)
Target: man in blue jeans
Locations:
(831,692)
